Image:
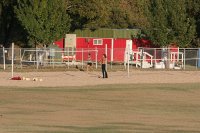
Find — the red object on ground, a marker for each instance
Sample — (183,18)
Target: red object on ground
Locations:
(16,78)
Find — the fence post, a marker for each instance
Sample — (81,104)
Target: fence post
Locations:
(128,58)
(197,59)
(4,60)
(184,58)
(137,59)
(112,52)
(142,57)
(96,54)
(12,58)
(37,58)
(155,56)
(68,58)
(178,55)
(125,57)
(82,58)
(53,58)
(20,54)
(106,52)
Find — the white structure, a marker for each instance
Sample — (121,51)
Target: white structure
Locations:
(138,57)
(174,61)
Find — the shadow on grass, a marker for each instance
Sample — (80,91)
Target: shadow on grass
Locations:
(111,87)
(112,128)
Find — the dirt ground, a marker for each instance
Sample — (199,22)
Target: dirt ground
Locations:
(80,78)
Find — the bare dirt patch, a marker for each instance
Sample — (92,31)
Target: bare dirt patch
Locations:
(79,78)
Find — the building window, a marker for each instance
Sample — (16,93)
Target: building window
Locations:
(97,42)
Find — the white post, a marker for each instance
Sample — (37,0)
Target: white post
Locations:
(20,54)
(37,58)
(53,60)
(82,58)
(50,55)
(128,58)
(178,55)
(68,57)
(197,59)
(141,57)
(12,58)
(184,58)
(125,58)
(137,60)
(4,59)
(96,54)
(155,61)
(112,46)
(106,52)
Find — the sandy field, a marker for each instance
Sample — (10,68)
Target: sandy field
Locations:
(81,78)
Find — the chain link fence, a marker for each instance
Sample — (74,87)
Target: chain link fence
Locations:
(117,59)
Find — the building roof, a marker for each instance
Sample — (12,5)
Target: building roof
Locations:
(109,33)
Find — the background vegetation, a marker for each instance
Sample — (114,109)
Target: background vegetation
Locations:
(43,21)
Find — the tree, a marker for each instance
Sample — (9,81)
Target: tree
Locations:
(169,22)
(4,19)
(88,14)
(44,20)
(194,10)
(118,17)
(123,14)
(8,24)
(104,14)
(135,13)
(183,25)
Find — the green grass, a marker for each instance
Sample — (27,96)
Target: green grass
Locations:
(141,108)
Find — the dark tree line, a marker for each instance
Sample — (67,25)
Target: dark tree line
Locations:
(36,22)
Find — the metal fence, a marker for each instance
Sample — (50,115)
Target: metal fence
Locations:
(117,59)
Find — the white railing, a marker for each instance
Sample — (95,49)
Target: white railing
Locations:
(141,59)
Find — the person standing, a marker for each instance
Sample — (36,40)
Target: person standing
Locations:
(89,62)
(103,66)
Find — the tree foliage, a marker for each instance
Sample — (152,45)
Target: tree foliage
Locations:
(194,10)
(93,14)
(132,15)
(44,20)
(169,22)
(8,22)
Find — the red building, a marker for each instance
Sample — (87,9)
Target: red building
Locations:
(95,43)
